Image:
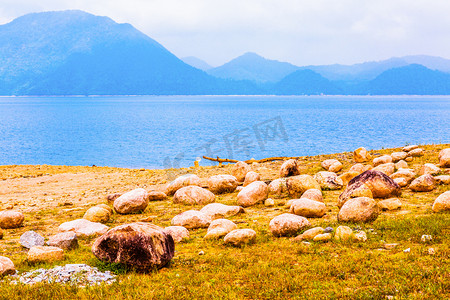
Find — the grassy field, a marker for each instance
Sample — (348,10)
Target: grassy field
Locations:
(271,268)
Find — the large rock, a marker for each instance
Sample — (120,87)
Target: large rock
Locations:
(408,174)
(220,184)
(30,239)
(384,159)
(390,204)
(416,152)
(381,185)
(11,219)
(361,155)
(139,245)
(182,181)
(64,240)
(190,195)
(178,233)
(397,156)
(97,214)
(240,237)
(402,182)
(360,168)
(6,266)
(387,169)
(444,158)
(313,194)
(361,209)
(219,210)
(191,219)
(332,165)
(83,228)
(442,203)
(328,180)
(251,177)
(297,185)
(290,167)
(156,196)
(288,225)
(253,193)
(424,183)
(308,208)
(278,187)
(239,170)
(45,254)
(132,202)
(358,189)
(429,169)
(219,228)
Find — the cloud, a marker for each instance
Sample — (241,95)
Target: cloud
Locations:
(299,31)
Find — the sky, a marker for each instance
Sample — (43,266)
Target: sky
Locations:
(302,32)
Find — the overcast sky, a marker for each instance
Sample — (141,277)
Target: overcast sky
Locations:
(302,32)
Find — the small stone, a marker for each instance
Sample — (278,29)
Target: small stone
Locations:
(220,184)
(361,236)
(390,246)
(10,219)
(64,240)
(344,233)
(269,202)
(424,183)
(328,229)
(426,238)
(219,210)
(290,167)
(277,187)
(156,196)
(30,239)
(313,194)
(410,147)
(131,202)
(431,251)
(323,237)
(416,152)
(361,155)
(178,233)
(83,227)
(191,195)
(442,179)
(201,253)
(251,177)
(429,169)
(311,233)
(97,214)
(239,237)
(191,219)
(45,254)
(253,193)
(407,250)
(110,198)
(240,169)
(6,266)
(382,160)
(182,181)
(390,204)
(219,228)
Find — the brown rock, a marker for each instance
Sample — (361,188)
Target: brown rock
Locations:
(344,233)
(442,203)
(182,181)
(361,209)
(409,159)
(382,160)
(361,155)
(240,237)
(308,208)
(332,165)
(219,210)
(240,169)
(191,195)
(191,219)
(310,233)
(397,156)
(251,177)
(387,169)
(359,168)
(132,202)
(358,189)
(429,169)
(402,182)
(297,185)
(6,266)
(64,240)
(178,233)
(287,225)
(347,176)
(313,194)
(106,206)
(442,179)
(424,183)
(401,165)
(444,158)
(253,193)
(97,214)
(390,204)
(156,196)
(219,228)
(142,246)
(45,254)
(220,184)
(10,219)
(278,187)
(290,167)
(328,180)
(416,152)
(381,185)
(323,237)
(408,174)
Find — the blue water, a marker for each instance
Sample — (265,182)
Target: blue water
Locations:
(158,132)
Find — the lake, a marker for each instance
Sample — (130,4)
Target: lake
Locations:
(163,132)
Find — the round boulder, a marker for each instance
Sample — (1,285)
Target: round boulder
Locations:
(429,169)
(239,170)
(442,203)
(45,254)
(253,193)
(332,165)
(190,195)
(397,156)
(83,228)
(358,189)
(182,181)
(10,219)
(444,158)
(6,266)
(97,214)
(381,185)
(251,177)
(387,169)
(178,233)
(361,155)
(328,180)
(191,219)
(140,245)
(30,239)
(308,208)
(220,184)
(64,240)
(361,209)
(424,183)
(156,196)
(382,160)
(313,194)
(239,237)
(297,185)
(288,225)
(277,187)
(219,228)
(132,202)
(290,168)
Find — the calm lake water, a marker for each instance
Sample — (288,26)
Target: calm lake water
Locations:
(162,132)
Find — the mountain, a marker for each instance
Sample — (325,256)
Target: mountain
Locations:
(73,52)
(305,82)
(413,79)
(253,67)
(196,63)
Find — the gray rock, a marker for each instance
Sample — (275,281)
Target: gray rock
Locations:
(30,239)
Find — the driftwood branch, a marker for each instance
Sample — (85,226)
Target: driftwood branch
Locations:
(222,160)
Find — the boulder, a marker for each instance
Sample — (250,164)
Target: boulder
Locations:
(10,219)
(328,180)
(220,184)
(384,159)
(156,196)
(142,246)
(429,169)
(402,182)
(310,234)
(344,233)
(97,214)
(390,204)
(408,174)
(251,177)
(361,155)
(290,167)
(30,239)
(6,266)
(442,179)
(45,254)
(409,148)
(444,158)
(401,165)
(313,194)
(240,237)
(308,208)
(252,194)
(83,228)
(409,159)
(332,165)
(288,224)
(191,219)
(178,233)
(323,237)
(416,152)
(387,169)
(182,181)
(132,202)
(358,189)
(219,228)
(442,203)
(360,168)
(64,240)
(381,185)
(397,156)
(191,195)
(361,209)
(424,183)
(347,176)
(278,187)
(297,185)
(239,170)
(219,210)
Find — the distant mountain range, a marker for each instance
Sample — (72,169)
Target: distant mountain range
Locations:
(76,53)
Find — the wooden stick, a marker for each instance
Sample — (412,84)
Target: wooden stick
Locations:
(221,160)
